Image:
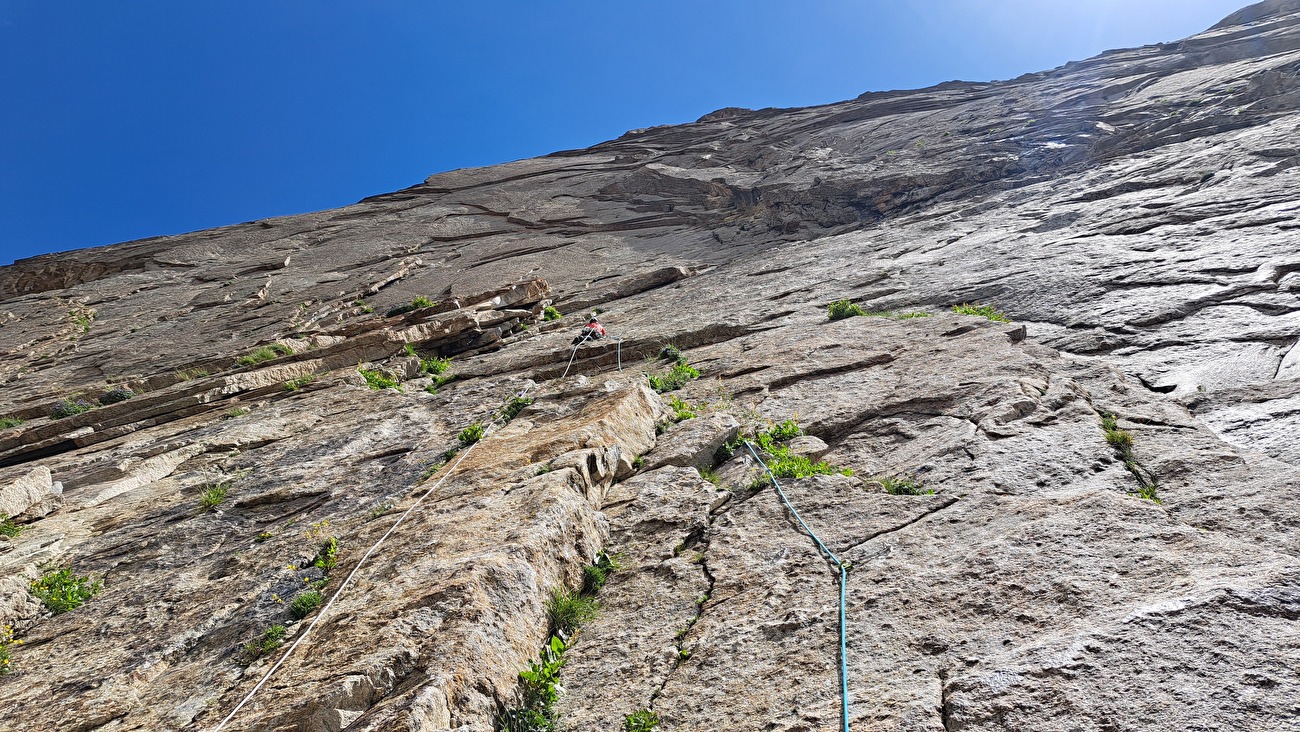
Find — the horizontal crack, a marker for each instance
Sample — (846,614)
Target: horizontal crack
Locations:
(901,526)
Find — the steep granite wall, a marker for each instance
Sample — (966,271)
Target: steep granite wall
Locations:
(1081,519)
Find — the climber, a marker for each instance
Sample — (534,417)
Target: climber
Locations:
(593,330)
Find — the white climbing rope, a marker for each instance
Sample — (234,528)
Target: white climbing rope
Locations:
(375,547)
(348,580)
(579,345)
(574,355)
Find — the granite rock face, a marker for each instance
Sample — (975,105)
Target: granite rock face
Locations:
(216,426)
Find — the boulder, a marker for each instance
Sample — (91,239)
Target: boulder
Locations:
(692,442)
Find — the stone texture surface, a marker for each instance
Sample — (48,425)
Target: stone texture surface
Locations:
(692,442)
(30,493)
(1134,214)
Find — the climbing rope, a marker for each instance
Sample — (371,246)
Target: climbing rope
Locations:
(844,580)
(375,547)
(348,580)
(578,345)
(573,355)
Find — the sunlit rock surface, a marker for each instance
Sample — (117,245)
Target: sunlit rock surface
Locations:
(1135,215)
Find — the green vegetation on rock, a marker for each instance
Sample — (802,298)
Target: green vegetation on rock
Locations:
(841,309)
(264,354)
(1122,442)
(902,485)
(676,377)
(376,379)
(305,603)
(8,527)
(783,462)
(60,590)
(272,638)
(642,720)
(471,434)
(69,407)
(983,311)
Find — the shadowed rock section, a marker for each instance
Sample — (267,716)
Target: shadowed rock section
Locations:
(192,419)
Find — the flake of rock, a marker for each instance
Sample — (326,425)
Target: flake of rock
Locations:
(29,494)
(693,442)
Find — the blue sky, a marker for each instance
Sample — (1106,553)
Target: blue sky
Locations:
(131,118)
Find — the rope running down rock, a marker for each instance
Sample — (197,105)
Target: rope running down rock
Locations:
(579,345)
(324,610)
(844,579)
(348,580)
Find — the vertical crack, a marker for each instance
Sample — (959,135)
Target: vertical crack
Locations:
(700,538)
(680,641)
(945,714)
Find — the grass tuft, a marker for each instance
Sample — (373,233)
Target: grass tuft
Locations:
(8,527)
(377,380)
(676,378)
(1122,442)
(305,603)
(594,576)
(264,354)
(983,311)
(841,309)
(298,383)
(570,611)
(902,485)
(214,495)
(416,304)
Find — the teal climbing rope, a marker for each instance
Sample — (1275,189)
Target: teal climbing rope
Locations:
(844,580)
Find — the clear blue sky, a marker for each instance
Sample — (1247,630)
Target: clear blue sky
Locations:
(121,119)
